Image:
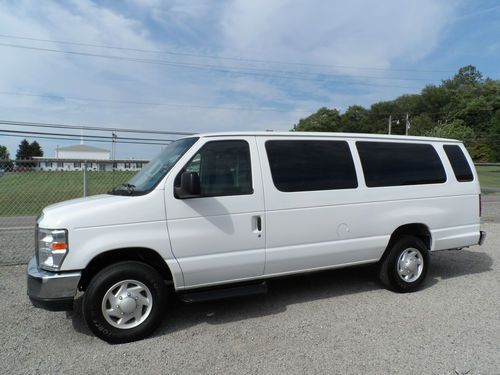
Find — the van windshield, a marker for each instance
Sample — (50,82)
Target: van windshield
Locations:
(155,170)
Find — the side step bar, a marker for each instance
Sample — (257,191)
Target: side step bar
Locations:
(224,292)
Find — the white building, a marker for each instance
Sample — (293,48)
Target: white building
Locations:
(74,158)
(82,152)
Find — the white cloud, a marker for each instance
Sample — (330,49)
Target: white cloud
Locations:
(358,33)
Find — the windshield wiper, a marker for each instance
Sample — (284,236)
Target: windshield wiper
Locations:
(130,188)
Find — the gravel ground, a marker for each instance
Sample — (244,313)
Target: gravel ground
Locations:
(17,239)
(491,208)
(331,322)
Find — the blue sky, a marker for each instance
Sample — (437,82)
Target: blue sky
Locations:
(227,65)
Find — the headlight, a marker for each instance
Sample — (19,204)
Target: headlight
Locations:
(52,246)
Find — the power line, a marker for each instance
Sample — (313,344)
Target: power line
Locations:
(88,136)
(218,57)
(198,66)
(207,65)
(72,139)
(176,105)
(84,127)
(179,105)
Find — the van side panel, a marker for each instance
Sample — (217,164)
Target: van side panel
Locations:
(318,229)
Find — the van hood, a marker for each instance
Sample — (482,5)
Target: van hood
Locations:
(102,210)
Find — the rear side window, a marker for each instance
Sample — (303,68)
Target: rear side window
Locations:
(459,163)
(394,164)
(304,165)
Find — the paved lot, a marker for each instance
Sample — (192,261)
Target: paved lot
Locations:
(332,322)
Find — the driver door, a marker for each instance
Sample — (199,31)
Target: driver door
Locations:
(219,236)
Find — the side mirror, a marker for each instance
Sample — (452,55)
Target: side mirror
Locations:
(190,186)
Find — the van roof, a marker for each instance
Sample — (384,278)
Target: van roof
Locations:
(329,135)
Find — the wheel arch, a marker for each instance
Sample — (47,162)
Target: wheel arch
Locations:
(141,254)
(418,230)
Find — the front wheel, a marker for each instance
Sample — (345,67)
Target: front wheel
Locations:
(125,302)
(404,268)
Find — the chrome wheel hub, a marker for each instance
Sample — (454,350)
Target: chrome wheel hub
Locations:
(410,265)
(127,304)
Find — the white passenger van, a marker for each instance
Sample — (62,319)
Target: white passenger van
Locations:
(214,215)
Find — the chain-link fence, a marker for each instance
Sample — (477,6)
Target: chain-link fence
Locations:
(26,187)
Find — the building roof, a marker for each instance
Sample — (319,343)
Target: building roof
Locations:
(82,148)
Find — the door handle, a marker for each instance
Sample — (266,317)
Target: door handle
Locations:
(257,224)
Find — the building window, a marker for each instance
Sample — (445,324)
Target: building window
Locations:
(102,167)
(77,165)
(60,164)
(127,165)
(115,165)
(48,164)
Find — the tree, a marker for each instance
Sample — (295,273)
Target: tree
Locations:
(379,115)
(435,101)
(324,120)
(35,149)
(421,124)
(4,153)
(23,150)
(26,150)
(476,113)
(466,107)
(354,120)
(494,136)
(5,162)
(455,130)
(467,75)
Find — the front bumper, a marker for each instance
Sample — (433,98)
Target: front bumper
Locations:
(50,290)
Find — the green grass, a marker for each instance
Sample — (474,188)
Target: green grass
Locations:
(489,177)
(27,193)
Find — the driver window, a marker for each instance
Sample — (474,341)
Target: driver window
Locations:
(194,164)
(224,168)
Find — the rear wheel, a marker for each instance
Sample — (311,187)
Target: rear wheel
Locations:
(404,268)
(125,302)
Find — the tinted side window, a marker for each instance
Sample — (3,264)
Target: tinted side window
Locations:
(224,168)
(393,164)
(459,163)
(311,165)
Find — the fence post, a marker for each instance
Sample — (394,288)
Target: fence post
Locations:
(85,178)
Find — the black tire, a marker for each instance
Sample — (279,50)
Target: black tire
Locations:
(389,274)
(106,279)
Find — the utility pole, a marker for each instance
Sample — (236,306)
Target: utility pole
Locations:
(85,178)
(407,123)
(390,123)
(113,145)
